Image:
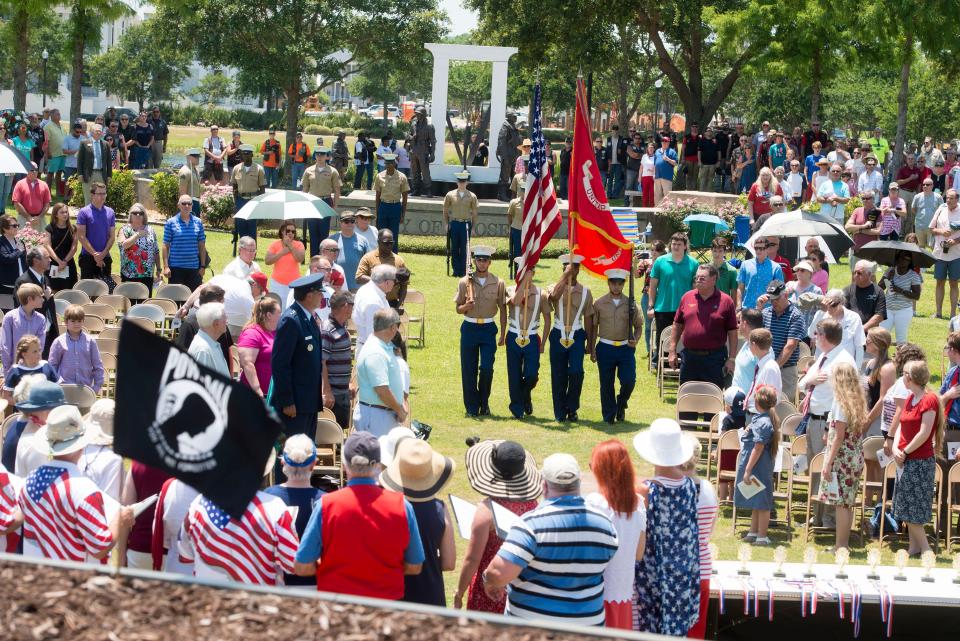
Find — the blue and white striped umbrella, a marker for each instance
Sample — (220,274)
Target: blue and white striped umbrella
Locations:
(285,204)
(12,161)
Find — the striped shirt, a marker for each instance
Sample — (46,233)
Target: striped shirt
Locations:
(563,547)
(707,509)
(183,238)
(77,360)
(337,355)
(787,325)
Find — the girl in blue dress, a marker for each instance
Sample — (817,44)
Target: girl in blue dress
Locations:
(759,444)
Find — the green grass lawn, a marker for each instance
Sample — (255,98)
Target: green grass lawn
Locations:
(436,397)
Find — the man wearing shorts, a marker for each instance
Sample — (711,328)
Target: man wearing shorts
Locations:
(945,236)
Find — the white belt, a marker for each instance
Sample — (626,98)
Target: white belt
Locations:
(479,321)
(607,341)
(557,324)
(516,330)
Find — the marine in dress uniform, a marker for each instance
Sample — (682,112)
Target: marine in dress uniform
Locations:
(614,351)
(479,296)
(248,180)
(391,188)
(524,346)
(515,220)
(573,320)
(460,208)
(297,359)
(323,181)
(189,179)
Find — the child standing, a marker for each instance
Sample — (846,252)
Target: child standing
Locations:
(759,446)
(27,361)
(75,355)
(19,322)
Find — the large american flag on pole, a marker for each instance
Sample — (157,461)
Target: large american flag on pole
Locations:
(63,516)
(541,214)
(249,550)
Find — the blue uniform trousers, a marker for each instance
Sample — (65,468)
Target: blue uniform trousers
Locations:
(241,227)
(388,217)
(459,229)
(566,373)
(523,369)
(615,362)
(318,229)
(478,350)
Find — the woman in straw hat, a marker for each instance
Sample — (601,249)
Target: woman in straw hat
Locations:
(504,473)
(668,577)
(420,474)
(298,458)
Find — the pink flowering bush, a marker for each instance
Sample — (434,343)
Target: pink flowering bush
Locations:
(31,237)
(216,205)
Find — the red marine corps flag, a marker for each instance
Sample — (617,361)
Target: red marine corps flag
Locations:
(593,232)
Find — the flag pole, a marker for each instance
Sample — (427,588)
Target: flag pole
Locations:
(633,306)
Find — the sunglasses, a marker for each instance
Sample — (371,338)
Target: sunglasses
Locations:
(289,231)
(186,204)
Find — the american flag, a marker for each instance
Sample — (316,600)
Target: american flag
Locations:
(62,516)
(10,486)
(541,214)
(250,549)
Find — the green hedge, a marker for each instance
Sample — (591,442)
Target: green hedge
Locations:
(166,192)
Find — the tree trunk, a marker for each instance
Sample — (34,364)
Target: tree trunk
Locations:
(21,26)
(816,82)
(79,19)
(903,97)
(293,110)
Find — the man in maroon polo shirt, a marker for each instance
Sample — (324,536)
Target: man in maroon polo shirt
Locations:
(706,320)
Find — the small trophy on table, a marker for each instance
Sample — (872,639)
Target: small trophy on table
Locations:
(780,557)
(873,560)
(841,557)
(809,558)
(714,554)
(900,560)
(928,560)
(744,554)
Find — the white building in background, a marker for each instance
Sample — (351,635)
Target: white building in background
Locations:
(95,101)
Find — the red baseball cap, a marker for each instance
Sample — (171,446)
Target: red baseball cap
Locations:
(260,279)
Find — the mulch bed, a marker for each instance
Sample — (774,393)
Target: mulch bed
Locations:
(39,602)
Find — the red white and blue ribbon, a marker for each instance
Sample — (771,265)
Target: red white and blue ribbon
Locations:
(886,609)
(856,607)
(769,602)
(723,606)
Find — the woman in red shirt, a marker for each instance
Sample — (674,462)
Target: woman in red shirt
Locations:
(918,432)
(758,198)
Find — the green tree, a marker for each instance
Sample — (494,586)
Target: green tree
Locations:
(143,66)
(21,15)
(213,88)
(47,31)
(86,18)
(291,46)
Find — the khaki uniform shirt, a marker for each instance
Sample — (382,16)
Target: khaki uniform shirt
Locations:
(458,208)
(515,213)
(574,295)
(248,180)
(517,182)
(391,188)
(189,180)
(613,321)
(321,182)
(372,259)
(534,318)
(487,298)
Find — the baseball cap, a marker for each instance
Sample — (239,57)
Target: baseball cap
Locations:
(260,279)
(776,288)
(561,469)
(362,444)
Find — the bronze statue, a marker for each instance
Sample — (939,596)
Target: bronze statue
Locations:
(424,142)
(507,151)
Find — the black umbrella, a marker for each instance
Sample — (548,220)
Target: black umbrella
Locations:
(885,252)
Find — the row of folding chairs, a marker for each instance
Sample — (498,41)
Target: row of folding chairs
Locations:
(134,291)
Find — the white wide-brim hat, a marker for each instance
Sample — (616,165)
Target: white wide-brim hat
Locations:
(663,444)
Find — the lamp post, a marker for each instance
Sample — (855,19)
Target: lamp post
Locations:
(45,55)
(656,116)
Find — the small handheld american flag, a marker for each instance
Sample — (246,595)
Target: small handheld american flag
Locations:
(541,213)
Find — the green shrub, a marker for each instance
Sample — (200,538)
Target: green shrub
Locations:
(76,191)
(216,205)
(166,192)
(120,191)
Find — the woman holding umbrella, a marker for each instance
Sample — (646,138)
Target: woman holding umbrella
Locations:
(902,284)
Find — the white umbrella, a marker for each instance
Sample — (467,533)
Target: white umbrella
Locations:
(800,224)
(12,161)
(285,204)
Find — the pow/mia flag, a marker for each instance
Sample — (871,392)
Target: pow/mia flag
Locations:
(176,415)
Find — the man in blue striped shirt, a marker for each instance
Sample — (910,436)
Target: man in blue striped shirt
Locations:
(552,561)
(184,246)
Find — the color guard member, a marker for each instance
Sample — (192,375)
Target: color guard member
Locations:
(615,355)
(460,207)
(573,318)
(524,346)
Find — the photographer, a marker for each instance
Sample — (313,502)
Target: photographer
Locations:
(945,230)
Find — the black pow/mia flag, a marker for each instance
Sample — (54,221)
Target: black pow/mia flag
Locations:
(196,424)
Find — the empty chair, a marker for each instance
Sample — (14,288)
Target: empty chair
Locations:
(170,307)
(175,292)
(73,296)
(145,323)
(691,407)
(92,287)
(785,408)
(80,395)
(61,304)
(109,373)
(729,442)
(329,440)
(111,331)
(327,413)
(93,324)
(788,425)
(107,312)
(119,303)
(699,387)
(108,345)
(133,291)
(146,310)
(416,306)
